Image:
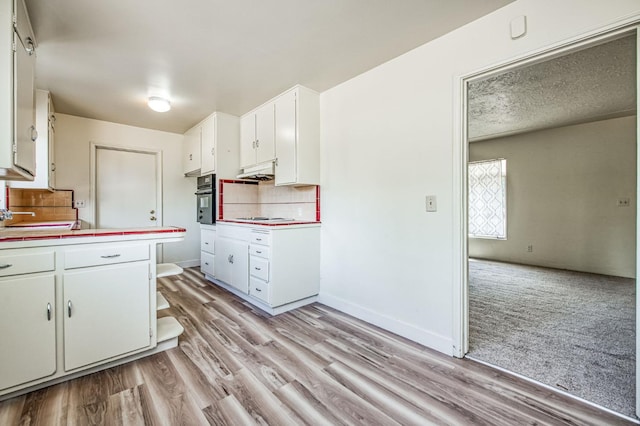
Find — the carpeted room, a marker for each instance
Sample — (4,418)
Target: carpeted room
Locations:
(555,300)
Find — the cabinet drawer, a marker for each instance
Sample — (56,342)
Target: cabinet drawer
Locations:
(259,267)
(104,254)
(206,263)
(258,250)
(16,262)
(207,241)
(259,289)
(259,238)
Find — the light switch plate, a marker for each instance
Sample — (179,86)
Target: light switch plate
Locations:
(431,202)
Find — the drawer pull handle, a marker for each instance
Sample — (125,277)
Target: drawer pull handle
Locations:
(257,269)
(110,256)
(6,265)
(230,258)
(48,311)
(258,239)
(206,263)
(69,306)
(258,290)
(206,243)
(258,251)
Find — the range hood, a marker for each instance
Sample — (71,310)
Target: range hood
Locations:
(262,171)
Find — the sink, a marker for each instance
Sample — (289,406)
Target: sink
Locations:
(41,226)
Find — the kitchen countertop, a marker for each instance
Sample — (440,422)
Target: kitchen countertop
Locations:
(21,237)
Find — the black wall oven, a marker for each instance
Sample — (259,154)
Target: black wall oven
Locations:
(206,199)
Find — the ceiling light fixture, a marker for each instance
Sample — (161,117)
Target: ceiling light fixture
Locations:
(159,104)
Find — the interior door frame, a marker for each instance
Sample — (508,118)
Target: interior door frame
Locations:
(460,273)
(93,176)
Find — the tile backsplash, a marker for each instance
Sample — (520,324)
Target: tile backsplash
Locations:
(246,199)
(47,205)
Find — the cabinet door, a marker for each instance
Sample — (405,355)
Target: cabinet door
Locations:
(24,86)
(28,330)
(208,143)
(286,134)
(191,150)
(231,263)
(106,312)
(265,136)
(247,140)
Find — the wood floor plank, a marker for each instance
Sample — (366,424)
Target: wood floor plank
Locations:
(237,365)
(11,410)
(125,408)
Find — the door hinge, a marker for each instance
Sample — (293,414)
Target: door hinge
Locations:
(150,332)
(14,148)
(14,19)
(13,45)
(150,275)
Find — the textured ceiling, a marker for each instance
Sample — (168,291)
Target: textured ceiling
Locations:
(588,85)
(102,58)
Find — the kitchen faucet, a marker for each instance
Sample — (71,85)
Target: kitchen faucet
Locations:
(8,214)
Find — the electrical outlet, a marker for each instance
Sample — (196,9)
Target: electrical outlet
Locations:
(530,248)
(624,202)
(79,204)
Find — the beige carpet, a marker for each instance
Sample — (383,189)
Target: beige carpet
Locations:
(570,330)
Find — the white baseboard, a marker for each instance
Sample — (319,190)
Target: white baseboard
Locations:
(424,337)
(188,263)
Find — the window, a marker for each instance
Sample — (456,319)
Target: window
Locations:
(488,199)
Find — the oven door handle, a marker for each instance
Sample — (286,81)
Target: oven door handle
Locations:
(204,192)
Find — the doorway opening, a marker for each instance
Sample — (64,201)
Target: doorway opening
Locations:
(554,298)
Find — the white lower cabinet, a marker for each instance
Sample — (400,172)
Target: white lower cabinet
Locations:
(207,249)
(277,269)
(231,262)
(106,312)
(28,329)
(74,308)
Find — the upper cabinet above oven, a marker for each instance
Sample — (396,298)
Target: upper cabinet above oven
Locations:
(212,146)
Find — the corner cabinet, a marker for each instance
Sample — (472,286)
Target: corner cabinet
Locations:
(297,137)
(211,147)
(17,93)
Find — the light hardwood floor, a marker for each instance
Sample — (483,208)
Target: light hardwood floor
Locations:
(237,365)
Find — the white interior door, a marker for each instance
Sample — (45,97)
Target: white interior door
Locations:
(126,188)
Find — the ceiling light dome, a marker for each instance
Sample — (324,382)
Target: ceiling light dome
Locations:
(159,104)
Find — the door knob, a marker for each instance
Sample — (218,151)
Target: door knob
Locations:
(152,212)
(152,218)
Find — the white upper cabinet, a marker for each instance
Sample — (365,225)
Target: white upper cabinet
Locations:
(17,94)
(45,145)
(297,137)
(212,147)
(191,151)
(257,136)
(220,140)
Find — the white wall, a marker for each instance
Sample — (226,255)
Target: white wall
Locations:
(73,140)
(562,190)
(388,140)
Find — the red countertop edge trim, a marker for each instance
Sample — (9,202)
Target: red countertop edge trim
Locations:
(87,233)
(270,224)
